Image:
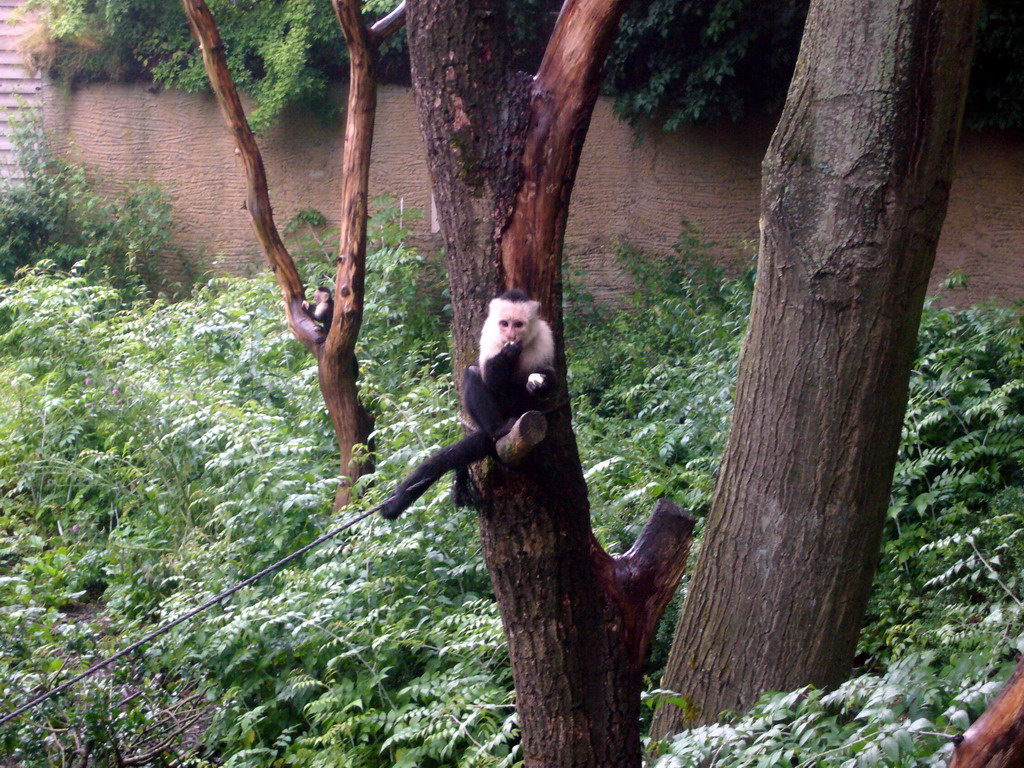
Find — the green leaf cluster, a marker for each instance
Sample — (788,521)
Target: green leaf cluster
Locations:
(997,76)
(55,213)
(901,718)
(280,52)
(154,453)
(953,525)
(683,61)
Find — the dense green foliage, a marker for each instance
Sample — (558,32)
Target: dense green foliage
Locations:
(674,61)
(54,213)
(994,99)
(157,454)
(152,454)
(280,53)
(679,61)
(945,620)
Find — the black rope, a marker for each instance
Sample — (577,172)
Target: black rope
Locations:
(181,619)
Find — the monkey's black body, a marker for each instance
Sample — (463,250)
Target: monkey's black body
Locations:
(323,313)
(322,308)
(495,397)
(498,393)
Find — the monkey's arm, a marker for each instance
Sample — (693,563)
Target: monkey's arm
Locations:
(481,403)
(541,382)
(497,371)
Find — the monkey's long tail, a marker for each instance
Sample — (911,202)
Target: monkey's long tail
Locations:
(475,447)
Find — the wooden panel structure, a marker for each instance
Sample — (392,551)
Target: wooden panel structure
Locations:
(19,87)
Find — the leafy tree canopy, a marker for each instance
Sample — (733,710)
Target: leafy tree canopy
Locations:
(674,61)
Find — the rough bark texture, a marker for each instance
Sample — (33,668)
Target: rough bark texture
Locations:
(336,353)
(854,192)
(473,111)
(503,152)
(996,739)
(578,621)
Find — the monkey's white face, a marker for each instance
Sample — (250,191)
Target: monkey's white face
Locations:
(514,323)
(510,322)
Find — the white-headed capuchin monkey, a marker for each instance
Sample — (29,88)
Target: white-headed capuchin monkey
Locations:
(515,375)
(322,308)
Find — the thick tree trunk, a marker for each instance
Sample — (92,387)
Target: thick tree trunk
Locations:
(473,115)
(503,152)
(855,185)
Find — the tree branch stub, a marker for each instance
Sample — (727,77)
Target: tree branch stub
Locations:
(526,433)
(388,25)
(647,575)
(996,739)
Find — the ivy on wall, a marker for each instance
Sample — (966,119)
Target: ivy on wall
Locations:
(675,62)
(280,53)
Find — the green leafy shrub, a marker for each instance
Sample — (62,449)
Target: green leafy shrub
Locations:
(959,463)
(679,62)
(902,718)
(55,214)
(662,393)
(280,53)
(997,80)
(153,454)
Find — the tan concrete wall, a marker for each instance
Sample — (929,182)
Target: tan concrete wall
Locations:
(633,186)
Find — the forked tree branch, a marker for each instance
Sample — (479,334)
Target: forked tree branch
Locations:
(336,353)
(355,179)
(204,29)
(562,101)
